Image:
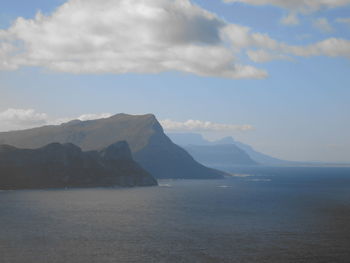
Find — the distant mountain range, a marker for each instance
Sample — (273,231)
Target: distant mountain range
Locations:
(65,165)
(224,152)
(220,155)
(150,147)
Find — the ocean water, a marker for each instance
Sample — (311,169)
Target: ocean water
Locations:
(263,215)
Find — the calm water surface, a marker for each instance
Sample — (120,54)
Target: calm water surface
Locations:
(277,215)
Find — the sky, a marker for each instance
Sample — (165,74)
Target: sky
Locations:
(274,74)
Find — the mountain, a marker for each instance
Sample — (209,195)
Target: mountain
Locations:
(66,165)
(186,139)
(150,147)
(261,157)
(219,155)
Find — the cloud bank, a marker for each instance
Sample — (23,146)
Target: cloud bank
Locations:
(121,36)
(153,36)
(196,125)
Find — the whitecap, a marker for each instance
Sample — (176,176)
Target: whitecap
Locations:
(260,180)
(242,175)
(165,185)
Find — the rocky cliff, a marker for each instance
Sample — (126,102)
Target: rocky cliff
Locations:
(66,165)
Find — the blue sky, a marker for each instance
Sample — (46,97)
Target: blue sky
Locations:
(296,100)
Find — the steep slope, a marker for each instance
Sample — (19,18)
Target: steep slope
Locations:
(65,165)
(149,145)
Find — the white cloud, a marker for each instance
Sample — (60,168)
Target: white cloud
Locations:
(21,118)
(16,119)
(332,47)
(243,38)
(260,56)
(297,5)
(290,20)
(83,117)
(121,36)
(87,117)
(197,125)
(323,25)
(344,20)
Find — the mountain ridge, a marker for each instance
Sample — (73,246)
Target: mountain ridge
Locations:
(149,145)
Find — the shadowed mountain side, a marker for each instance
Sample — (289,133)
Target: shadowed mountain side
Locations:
(65,165)
(180,164)
(151,148)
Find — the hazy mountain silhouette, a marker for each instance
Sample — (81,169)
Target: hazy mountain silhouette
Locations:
(150,147)
(186,139)
(66,165)
(220,155)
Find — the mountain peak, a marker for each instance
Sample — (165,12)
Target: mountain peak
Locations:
(72,122)
(6,147)
(140,116)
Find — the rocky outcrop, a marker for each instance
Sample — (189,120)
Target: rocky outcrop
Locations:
(66,165)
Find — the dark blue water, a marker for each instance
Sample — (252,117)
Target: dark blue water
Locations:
(279,215)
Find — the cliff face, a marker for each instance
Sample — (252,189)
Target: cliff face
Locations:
(66,165)
(151,148)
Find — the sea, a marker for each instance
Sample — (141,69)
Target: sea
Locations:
(262,214)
